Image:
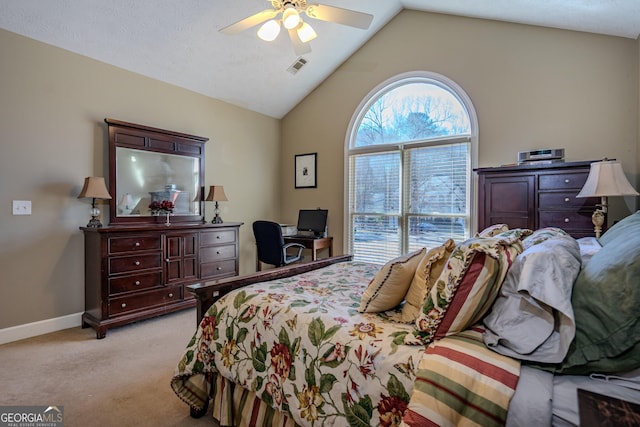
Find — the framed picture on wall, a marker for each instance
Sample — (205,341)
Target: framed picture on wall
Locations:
(305,170)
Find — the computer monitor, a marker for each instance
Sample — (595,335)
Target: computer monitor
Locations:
(314,220)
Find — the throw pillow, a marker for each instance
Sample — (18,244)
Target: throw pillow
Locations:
(469,284)
(492,230)
(427,272)
(542,234)
(389,286)
(605,299)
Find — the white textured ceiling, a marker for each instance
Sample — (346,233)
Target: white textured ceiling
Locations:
(178,42)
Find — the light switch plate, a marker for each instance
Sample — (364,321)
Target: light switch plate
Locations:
(22,207)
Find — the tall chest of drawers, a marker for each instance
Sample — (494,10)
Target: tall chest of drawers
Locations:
(536,196)
(138,272)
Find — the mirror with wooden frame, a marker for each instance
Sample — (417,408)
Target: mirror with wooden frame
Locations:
(149,165)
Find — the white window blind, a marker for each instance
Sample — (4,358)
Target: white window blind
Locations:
(409,171)
(407,199)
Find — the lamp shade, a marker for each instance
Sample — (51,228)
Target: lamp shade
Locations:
(306,33)
(216,194)
(606,178)
(126,200)
(269,31)
(290,17)
(94,187)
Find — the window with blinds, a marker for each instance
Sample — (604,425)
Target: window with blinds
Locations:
(409,171)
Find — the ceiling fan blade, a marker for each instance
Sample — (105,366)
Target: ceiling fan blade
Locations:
(299,47)
(339,15)
(252,21)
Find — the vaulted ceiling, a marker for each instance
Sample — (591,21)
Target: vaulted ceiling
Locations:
(179,42)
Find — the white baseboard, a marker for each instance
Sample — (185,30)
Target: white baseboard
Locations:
(20,332)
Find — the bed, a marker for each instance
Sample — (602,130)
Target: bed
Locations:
(501,329)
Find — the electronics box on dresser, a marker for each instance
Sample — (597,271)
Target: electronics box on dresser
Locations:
(535,196)
(542,156)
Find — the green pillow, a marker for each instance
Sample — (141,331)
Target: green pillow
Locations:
(606,304)
(620,228)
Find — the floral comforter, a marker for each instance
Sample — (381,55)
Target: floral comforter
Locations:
(300,344)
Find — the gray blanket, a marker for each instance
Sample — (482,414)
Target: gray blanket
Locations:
(533,319)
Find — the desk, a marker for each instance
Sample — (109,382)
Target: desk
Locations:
(312,244)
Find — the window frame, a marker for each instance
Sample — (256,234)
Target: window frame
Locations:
(362,109)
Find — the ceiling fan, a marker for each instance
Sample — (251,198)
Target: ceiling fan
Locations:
(287,13)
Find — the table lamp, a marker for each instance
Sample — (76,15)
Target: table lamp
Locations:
(94,188)
(126,203)
(606,178)
(216,194)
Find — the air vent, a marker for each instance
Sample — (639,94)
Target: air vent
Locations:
(296,66)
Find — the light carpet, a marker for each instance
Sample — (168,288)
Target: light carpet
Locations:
(121,380)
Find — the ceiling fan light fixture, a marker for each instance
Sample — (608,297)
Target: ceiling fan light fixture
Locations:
(269,30)
(306,33)
(290,17)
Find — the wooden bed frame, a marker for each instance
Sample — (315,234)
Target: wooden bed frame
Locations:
(208,293)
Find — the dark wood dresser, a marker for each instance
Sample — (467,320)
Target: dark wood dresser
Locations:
(536,196)
(138,272)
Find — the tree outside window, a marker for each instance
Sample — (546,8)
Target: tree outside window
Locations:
(409,170)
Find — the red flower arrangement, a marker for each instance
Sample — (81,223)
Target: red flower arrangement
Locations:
(165,206)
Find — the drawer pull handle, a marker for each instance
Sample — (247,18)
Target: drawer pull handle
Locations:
(567,220)
(567,180)
(566,199)
(218,268)
(124,305)
(137,263)
(137,244)
(167,260)
(217,237)
(218,252)
(137,282)
(170,295)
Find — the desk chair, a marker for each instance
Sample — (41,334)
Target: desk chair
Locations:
(271,247)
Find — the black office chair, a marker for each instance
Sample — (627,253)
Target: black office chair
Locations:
(271,247)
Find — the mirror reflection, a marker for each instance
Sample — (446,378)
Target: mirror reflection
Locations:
(144,177)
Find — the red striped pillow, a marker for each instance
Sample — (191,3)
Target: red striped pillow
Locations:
(469,284)
(459,381)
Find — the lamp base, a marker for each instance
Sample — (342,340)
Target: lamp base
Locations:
(94,223)
(216,220)
(598,219)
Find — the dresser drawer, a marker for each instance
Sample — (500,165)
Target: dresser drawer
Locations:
(566,220)
(219,268)
(565,200)
(217,237)
(126,264)
(132,244)
(562,181)
(216,253)
(125,304)
(135,282)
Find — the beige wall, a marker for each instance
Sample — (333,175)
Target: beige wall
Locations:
(52,133)
(532,87)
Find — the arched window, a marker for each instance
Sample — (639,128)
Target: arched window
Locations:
(410,151)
